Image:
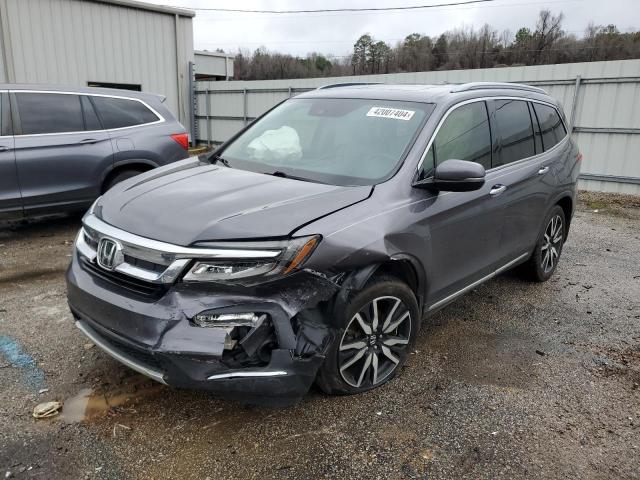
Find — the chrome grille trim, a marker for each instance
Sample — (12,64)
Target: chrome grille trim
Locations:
(173,257)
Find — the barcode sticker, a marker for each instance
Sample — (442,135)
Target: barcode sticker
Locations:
(395,113)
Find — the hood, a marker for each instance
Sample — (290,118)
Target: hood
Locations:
(190,201)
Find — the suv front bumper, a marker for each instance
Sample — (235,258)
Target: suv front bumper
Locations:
(156,336)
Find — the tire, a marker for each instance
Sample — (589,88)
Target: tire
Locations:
(544,259)
(381,353)
(120,177)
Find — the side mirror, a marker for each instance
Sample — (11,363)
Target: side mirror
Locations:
(455,176)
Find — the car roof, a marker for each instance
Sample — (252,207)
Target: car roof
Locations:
(86,90)
(428,93)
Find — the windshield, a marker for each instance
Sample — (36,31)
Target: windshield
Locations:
(335,141)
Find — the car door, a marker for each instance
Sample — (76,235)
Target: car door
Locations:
(10,199)
(523,170)
(464,227)
(61,150)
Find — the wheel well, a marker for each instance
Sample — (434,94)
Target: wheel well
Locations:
(567,207)
(402,270)
(138,167)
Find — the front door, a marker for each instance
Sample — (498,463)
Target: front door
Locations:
(464,227)
(61,150)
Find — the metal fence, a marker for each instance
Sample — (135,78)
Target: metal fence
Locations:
(601,99)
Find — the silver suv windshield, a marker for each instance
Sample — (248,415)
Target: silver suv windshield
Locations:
(335,141)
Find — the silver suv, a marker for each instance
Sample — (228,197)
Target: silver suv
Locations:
(60,148)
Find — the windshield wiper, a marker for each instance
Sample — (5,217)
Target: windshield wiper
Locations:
(216,158)
(281,174)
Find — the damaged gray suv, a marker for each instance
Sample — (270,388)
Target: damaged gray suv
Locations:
(310,246)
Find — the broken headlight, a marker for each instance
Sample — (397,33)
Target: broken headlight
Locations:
(287,257)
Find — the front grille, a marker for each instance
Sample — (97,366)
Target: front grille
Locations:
(144,264)
(131,284)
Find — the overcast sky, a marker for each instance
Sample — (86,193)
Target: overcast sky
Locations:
(335,33)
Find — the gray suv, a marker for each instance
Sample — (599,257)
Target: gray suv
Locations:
(311,245)
(60,148)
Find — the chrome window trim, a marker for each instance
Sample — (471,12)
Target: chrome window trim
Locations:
(161,119)
(484,99)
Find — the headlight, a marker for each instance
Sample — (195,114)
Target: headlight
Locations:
(292,255)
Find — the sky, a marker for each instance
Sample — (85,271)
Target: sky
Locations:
(335,33)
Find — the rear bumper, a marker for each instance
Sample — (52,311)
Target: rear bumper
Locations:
(157,338)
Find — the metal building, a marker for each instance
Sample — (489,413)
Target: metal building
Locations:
(213,65)
(112,43)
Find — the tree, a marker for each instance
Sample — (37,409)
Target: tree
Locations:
(548,31)
(461,48)
(439,51)
(361,54)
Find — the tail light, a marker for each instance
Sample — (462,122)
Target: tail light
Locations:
(182,139)
(579,157)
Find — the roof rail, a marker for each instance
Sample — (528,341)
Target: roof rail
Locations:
(346,84)
(465,87)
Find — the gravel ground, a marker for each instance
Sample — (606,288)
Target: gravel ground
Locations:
(515,380)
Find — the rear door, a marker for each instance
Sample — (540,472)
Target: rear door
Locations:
(464,227)
(10,200)
(516,167)
(61,149)
(525,171)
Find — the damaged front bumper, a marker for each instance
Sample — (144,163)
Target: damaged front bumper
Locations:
(273,362)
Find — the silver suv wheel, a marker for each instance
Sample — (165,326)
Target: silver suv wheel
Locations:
(370,347)
(552,242)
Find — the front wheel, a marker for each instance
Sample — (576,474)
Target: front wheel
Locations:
(545,257)
(379,324)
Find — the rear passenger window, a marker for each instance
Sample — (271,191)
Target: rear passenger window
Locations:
(49,113)
(516,131)
(120,112)
(551,125)
(464,135)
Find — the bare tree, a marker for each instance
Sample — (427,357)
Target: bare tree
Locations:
(462,48)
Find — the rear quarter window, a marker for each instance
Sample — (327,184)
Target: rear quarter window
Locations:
(121,112)
(551,125)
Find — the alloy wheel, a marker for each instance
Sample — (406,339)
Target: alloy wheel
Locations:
(552,244)
(374,341)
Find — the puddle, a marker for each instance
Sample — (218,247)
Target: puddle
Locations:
(88,404)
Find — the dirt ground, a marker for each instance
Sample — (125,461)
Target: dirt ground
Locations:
(515,380)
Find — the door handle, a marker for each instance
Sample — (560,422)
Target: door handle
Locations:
(543,170)
(88,140)
(497,190)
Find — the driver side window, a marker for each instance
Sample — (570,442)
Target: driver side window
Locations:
(464,135)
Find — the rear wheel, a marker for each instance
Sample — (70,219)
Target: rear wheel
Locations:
(545,257)
(379,324)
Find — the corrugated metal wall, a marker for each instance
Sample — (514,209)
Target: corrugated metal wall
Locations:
(73,42)
(607,113)
(208,63)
